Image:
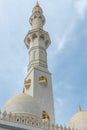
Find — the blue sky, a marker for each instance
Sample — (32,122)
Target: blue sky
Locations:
(66,22)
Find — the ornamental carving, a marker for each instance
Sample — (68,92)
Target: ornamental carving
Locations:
(30,120)
(45,115)
(43,80)
(27,81)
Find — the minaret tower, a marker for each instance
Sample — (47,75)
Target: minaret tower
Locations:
(38,82)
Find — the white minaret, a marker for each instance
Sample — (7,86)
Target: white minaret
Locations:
(38,82)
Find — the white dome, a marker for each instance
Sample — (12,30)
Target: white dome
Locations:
(79,120)
(22,103)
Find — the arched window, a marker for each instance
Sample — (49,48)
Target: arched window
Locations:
(42,37)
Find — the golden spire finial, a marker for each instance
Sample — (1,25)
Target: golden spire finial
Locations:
(37,4)
(80,109)
(23,90)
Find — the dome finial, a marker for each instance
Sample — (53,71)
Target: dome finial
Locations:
(37,4)
(80,109)
(23,90)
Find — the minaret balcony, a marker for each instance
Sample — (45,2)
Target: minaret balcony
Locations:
(38,34)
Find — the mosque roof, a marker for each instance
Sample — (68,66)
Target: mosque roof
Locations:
(79,120)
(22,103)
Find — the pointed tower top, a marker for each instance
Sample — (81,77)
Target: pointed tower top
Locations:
(37,4)
(80,109)
(37,19)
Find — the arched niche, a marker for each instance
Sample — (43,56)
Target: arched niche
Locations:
(35,17)
(34,36)
(42,37)
(40,17)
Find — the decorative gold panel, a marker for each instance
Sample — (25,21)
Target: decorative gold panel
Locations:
(27,81)
(43,78)
(45,115)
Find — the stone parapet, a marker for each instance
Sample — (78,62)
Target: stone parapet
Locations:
(32,121)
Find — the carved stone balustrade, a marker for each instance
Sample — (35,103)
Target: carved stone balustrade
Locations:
(30,120)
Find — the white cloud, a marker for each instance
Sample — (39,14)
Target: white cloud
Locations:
(81,7)
(63,40)
(80,10)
